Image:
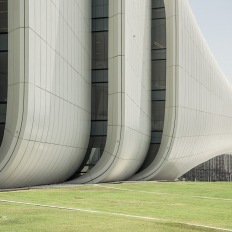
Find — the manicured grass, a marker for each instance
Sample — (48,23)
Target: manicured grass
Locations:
(177,203)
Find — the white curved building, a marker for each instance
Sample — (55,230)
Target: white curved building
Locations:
(48,102)
(198,109)
(155,106)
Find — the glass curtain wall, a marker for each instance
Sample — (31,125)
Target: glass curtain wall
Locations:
(99,97)
(3,64)
(158,79)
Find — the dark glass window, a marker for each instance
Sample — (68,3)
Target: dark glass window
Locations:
(156,137)
(3,16)
(3,62)
(3,42)
(99,95)
(157,4)
(158,74)
(159,54)
(2,113)
(158,13)
(99,75)
(98,128)
(100,11)
(158,34)
(2,127)
(3,88)
(99,3)
(159,95)
(100,24)
(3,65)
(100,50)
(158,110)
(158,113)
(99,101)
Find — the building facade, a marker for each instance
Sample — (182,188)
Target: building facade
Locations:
(107,90)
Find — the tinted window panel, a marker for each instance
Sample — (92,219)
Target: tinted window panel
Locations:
(99,2)
(2,127)
(100,24)
(3,87)
(2,118)
(2,109)
(100,50)
(157,125)
(3,16)
(99,101)
(98,128)
(159,70)
(159,54)
(156,137)
(158,95)
(158,109)
(3,42)
(158,33)
(3,62)
(100,11)
(100,75)
(158,13)
(157,3)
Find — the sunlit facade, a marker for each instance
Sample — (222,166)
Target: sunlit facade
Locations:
(107,90)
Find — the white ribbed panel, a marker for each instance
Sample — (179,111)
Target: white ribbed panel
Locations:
(48,114)
(129,122)
(198,116)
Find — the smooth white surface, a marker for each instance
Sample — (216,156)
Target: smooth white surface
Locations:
(198,115)
(48,114)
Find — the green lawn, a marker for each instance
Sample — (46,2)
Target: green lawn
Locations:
(176,203)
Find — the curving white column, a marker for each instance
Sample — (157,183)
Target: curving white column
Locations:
(48,111)
(198,114)
(129,122)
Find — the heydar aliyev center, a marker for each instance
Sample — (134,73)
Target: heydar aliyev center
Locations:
(107,90)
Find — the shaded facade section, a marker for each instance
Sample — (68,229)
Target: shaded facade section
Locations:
(158,79)
(3,64)
(99,92)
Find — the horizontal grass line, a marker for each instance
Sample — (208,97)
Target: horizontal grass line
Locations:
(112,213)
(163,193)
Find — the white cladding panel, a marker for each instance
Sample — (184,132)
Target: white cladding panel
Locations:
(48,112)
(129,122)
(198,115)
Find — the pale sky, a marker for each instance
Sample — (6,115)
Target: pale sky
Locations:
(215,20)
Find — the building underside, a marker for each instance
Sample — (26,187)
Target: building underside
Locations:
(107,90)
